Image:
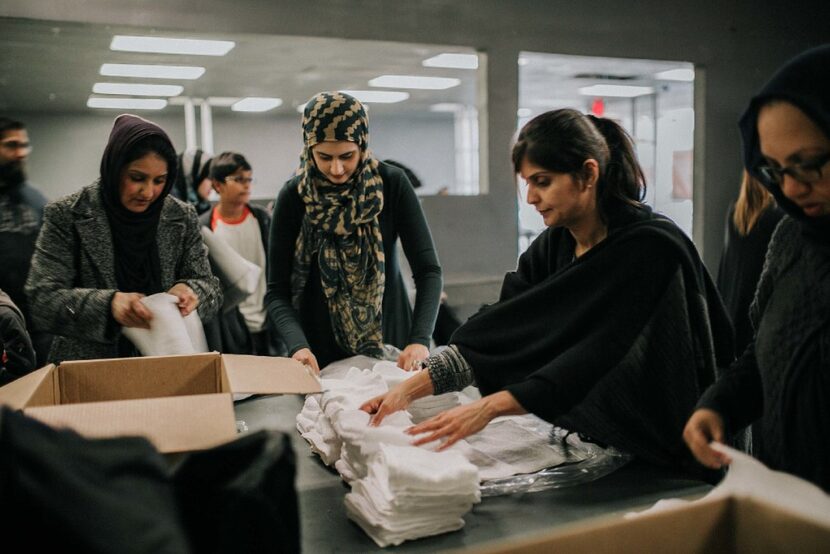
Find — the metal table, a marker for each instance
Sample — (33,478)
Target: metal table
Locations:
(325,527)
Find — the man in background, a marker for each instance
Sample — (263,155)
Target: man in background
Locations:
(21,214)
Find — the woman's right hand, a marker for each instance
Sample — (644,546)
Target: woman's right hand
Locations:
(702,428)
(385,404)
(399,397)
(129,311)
(305,357)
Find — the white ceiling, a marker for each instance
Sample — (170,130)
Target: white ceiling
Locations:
(51,67)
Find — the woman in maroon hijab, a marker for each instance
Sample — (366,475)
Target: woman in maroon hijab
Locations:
(106,246)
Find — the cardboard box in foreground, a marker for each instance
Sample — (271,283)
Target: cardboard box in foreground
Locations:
(725,525)
(180,403)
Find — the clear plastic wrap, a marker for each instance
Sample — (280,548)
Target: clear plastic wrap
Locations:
(595,462)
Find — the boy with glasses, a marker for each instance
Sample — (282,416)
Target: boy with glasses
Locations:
(245,227)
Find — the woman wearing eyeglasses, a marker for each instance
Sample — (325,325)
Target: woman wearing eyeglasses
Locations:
(781,383)
(334,285)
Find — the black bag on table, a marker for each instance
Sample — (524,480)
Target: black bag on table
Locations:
(61,492)
(239,497)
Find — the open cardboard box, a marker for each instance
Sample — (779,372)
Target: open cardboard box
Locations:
(180,403)
(726,524)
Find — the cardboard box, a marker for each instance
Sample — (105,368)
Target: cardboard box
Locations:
(180,403)
(729,524)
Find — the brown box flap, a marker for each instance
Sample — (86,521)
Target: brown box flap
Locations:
(172,424)
(762,527)
(33,388)
(698,528)
(268,375)
(133,378)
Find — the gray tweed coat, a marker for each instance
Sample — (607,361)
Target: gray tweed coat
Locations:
(72,279)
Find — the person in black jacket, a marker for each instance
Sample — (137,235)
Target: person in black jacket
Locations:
(245,329)
(749,226)
(334,284)
(610,326)
(21,216)
(17,357)
(781,383)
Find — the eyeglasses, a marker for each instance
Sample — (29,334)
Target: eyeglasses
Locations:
(807,172)
(13,145)
(239,179)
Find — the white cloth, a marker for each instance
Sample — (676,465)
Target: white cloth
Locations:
(169,332)
(749,478)
(410,492)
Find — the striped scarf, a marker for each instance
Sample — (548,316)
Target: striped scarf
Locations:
(340,224)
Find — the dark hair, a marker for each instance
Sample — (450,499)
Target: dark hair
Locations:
(416,183)
(227,163)
(154,144)
(561,141)
(7,124)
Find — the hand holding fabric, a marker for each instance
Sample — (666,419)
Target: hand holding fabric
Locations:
(187,298)
(463,421)
(128,310)
(702,428)
(412,356)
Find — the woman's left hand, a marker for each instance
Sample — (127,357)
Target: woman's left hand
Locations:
(187,298)
(412,356)
(463,421)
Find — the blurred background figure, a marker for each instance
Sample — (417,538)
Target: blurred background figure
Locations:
(193,184)
(447,321)
(749,226)
(17,357)
(21,215)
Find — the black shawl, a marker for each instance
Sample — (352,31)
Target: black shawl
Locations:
(137,264)
(617,344)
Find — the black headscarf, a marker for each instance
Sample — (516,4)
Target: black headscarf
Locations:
(804,81)
(137,265)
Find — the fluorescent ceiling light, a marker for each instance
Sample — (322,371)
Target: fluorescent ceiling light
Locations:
(446,107)
(378,96)
(256,104)
(624,91)
(455,61)
(414,81)
(137,89)
(524,112)
(126,103)
(676,75)
(523,60)
(159,45)
(152,71)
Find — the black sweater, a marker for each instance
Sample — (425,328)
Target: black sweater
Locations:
(740,268)
(402,218)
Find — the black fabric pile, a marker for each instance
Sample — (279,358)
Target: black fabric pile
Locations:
(64,493)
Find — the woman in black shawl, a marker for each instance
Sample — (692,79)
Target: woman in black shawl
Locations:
(102,249)
(781,383)
(609,327)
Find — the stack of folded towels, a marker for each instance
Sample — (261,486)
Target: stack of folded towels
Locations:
(399,491)
(411,492)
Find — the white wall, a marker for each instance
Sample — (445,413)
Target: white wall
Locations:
(68,147)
